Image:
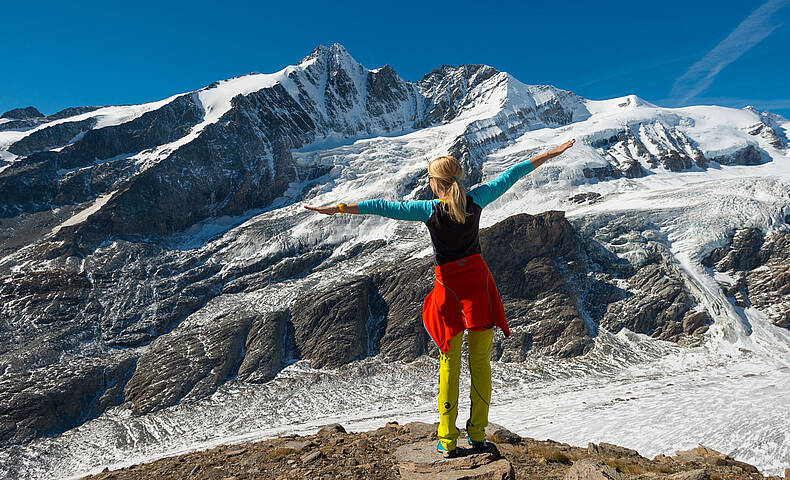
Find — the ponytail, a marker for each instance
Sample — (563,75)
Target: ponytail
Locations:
(457,202)
(448,171)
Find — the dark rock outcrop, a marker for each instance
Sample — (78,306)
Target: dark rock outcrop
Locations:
(53,399)
(268,346)
(22,113)
(659,306)
(188,364)
(396,302)
(646,293)
(764,131)
(50,137)
(541,306)
(760,268)
(585,197)
(748,155)
(625,151)
(329,327)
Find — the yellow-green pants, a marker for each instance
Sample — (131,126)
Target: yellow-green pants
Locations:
(479,343)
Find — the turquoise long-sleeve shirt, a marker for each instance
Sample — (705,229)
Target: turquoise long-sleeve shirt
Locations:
(421,210)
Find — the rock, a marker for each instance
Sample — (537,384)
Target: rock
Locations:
(584,197)
(50,137)
(309,457)
(768,285)
(421,461)
(763,280)
(709,452)
(746,467)
(699,474)
(395,298)
(332,428)
(499,434)
(610,450)
(296,445)
(421,429)
(744,252)
(765,131)
(704,454)
(591,469)
(787,473)
(625,151)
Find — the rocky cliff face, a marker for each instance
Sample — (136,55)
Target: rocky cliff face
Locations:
(757,272)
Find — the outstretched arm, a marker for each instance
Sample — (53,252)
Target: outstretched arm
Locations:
(416,210)
(488,192)
(349,208)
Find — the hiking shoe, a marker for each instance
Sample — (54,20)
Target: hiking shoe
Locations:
(478,446)
(446,453)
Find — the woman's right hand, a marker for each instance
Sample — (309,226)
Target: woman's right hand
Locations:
(558,151)
(325,210)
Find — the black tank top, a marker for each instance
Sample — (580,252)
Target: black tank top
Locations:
(452,240)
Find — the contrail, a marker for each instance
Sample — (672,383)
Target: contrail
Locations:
(749,33)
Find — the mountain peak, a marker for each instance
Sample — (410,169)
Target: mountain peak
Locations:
(22,113)
(335,51)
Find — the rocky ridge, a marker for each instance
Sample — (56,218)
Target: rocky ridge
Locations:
(408,452)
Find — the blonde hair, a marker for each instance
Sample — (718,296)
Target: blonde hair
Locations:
(449,173)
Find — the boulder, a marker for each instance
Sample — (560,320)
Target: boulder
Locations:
(421,461)
(611,450)
(332,428)
(591,469)
(421,429)
(698,474)
(499,434)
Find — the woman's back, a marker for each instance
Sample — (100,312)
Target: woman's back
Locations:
(452,240)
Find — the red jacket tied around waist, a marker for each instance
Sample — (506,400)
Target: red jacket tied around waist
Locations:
(463,297)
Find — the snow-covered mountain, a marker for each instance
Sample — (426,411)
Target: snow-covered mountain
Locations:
(162,288)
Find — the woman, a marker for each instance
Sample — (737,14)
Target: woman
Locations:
(464,296)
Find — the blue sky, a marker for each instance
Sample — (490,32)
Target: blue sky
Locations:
(733,53)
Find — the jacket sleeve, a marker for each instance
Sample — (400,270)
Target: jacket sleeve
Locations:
(488,192)
(416,210)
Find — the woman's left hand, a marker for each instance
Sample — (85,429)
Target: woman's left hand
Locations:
(562,148)
(325,210)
